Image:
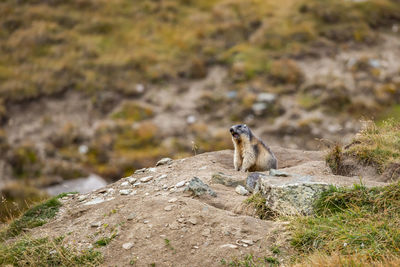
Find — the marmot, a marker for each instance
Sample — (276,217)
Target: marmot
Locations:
(251,154)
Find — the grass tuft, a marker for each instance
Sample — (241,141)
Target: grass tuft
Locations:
(34,217)
(359,220)
(46,252)
(262,210)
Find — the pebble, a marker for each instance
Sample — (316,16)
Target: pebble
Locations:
(140,170)
(132,180)
(193,221)
(97,200)
(174,226)
(137,184)
(168,208)
(247,241)
(172,200)
(125,184)
(241,190)
(181,220)
(95,224)
(228,246)
(131,216)
(164,161)
(146,179)
(180,184)
(152,169)
(127,246)
(206,232)
(146,194)
(162,176)
(146,221)
(82,198)
(124,192)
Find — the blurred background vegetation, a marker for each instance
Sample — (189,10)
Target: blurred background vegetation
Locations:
(110,86)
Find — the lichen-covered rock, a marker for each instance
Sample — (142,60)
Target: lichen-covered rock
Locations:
(198,187)
(221,178)
(253,181)
(291,198)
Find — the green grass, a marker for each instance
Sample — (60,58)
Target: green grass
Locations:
(259,204)
(33,217)
(360,220)
(376,146)
(46,252)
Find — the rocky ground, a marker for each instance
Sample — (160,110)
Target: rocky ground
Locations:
(149,217)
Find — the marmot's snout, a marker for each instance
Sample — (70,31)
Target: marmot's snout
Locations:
(234,133)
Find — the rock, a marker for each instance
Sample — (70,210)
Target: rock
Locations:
(293,197)
(137,184)
(228,246)
(95,224)
(164,161)
(172,200)
(241,190)
(191,119)
(95,201)
(247,241)
(125,184)
(152,169)
(253,181)
(206,232)
(174,226)
(146,179)
(82,197)
(168,208)
(127,246)
(131,216)
(180,184)
(162,176)
(266,98)
(258,108)
(199,188)
(140,171)
(221,178)
(83,149)
(192,221)
(278,173)
(132,180)
(124,192)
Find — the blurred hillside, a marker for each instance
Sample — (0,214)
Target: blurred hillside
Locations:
(110,86)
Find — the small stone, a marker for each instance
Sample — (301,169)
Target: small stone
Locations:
(140,170)
(152,169)
(83,149)
(277,173)
(146,194)
(125,184)
(241,190)
(198,187)
(164,161)
(221,178)
(95,201)
(162,176)
(146,221)
(180,184)
(191,119)
(168,208)
(132,180)
(95,224)
(181,220)
(82,197)
(206,232)
(137,184)
(266,98)
(127,246)
(228,246)
(124,192)
(146,179)
(192,221)
(247,241)
(195,247)
(131,216)
(174,226)
(172,200)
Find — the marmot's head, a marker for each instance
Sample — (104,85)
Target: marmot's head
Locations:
(240,131)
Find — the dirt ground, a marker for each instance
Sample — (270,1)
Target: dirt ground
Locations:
(157,222)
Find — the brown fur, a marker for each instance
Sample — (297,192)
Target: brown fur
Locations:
(251,154)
